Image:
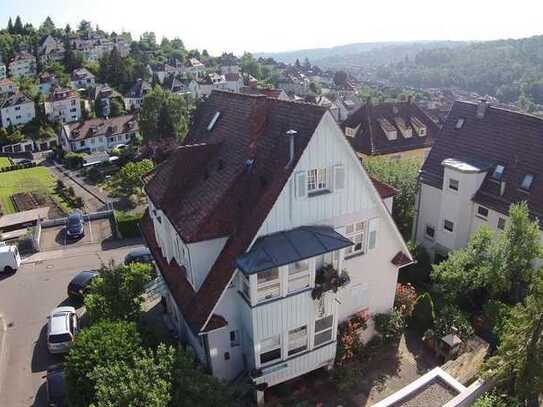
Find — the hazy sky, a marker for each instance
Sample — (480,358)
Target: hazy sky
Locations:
(277,25)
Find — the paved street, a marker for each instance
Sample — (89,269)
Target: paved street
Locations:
(26,298)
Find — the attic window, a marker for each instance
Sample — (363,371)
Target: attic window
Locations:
(498,172)
(527,182)
(460,123)
(213,121)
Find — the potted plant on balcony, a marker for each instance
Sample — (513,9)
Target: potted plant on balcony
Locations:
(328,278)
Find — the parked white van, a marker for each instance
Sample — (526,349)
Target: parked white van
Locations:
(10,260)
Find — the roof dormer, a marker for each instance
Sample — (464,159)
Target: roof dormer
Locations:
(389,130)
(405,129)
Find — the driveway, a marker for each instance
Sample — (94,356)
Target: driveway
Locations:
(26,298)
(96,231)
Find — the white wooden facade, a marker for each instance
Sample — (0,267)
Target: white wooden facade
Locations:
(291,334)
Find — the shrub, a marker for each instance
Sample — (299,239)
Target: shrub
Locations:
(495,400)
(496,314)
(349,343)
(405,299)
(60,184)
(133,201)
(418,273)
(390,326)
(71,191)
(347,377)
(73,160)
(451,316)
(128,224)
(423,315)
(78,202)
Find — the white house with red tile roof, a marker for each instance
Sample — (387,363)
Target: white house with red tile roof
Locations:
(63,106)
(245,221)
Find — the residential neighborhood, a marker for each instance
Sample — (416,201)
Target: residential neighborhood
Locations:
(317,227)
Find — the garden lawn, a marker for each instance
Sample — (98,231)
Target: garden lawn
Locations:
(37,179)
(5,162)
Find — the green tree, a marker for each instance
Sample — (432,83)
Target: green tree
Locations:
(146,380)
(193,387)
(117,294)
(101,344)
(518,363)
(18,26)
(164,115)
(48,26)
(402,175)
(131,173)
(501,264)
(10,26)
(84,27)
(117,107)
(249,65)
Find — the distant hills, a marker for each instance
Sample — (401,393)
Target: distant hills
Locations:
(358,54)
(511,70)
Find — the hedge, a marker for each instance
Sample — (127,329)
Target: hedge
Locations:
(128,224)
(18,167)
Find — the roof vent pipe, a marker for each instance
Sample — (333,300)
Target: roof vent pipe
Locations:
(291,134)
(502,188)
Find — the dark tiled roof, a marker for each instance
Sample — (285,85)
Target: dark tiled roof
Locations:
(220,196)
(139,89)
(370,139)
(15,99)
(81,73)
(511,139)
(401,259)
(102,127)
(232,77)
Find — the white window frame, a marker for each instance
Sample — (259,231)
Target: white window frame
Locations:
(317,180)
(297,340)
(272,346)
(322,331)
(357,232)
(479,214)
(298,272)
(268,289)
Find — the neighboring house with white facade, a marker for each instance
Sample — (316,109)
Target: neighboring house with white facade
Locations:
(98,134)
(7,86)
(16,109)
(242,222)
(484,159)
(94,46)
(203,86)
(63,106)
(51,50)
(134,99)
(22,64)
(233,81)
(82,78)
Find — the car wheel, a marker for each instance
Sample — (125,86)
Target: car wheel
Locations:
(8,269)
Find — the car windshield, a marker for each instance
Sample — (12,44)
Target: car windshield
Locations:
(60,338)
(74,220)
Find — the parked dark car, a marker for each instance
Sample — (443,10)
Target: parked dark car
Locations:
(80,284)
(56,391)
(75,226)
(139,256)
(24,161)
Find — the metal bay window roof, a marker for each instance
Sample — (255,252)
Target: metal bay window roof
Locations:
(281,248)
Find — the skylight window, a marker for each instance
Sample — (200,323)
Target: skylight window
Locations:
(460,123)
(527,182)
(498,172)
(213,121)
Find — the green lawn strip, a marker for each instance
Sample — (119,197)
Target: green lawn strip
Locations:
(36,179)
(5,162)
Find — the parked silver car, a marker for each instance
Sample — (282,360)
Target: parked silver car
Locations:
(61,329)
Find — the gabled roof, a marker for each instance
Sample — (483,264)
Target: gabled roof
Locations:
(370,138)
(207,188)
(101,127)
(82,73)
(511,139)
(139,89)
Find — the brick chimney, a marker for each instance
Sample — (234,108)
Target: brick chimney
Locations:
(481,108)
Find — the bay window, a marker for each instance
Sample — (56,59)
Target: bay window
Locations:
(268,284)
(297,340)
(270,350)
(323,330)
(298,275)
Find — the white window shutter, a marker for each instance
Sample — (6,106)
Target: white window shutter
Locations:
(339,177)
(372,233)
(300,185)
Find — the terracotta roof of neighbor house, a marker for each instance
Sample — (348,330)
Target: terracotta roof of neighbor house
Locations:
(22,55)
(370,138)
(271,93)
(102,127)
(15,99)
(6,82)
(401,259)
(385,191)
(502,137)
(226,178)
(62,94)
